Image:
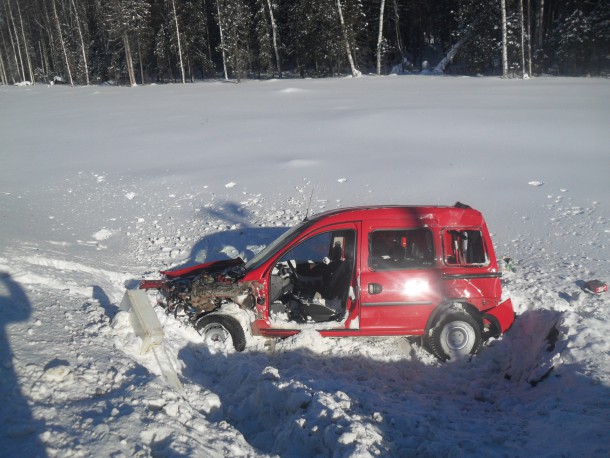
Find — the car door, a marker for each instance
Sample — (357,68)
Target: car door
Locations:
(399,281)
(322,266)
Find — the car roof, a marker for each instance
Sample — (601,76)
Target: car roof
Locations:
(412,215)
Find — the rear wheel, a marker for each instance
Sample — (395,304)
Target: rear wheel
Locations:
(221,332)
(456,335)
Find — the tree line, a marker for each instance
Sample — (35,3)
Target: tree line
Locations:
(143,41)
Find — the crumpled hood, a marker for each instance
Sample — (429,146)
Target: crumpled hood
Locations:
(208,267)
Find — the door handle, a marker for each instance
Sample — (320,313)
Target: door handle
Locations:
(375,288)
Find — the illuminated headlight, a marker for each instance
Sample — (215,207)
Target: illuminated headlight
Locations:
(416,287)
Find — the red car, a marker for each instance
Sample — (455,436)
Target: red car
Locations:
(427,271)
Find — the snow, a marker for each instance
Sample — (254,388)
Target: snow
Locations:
(102,185)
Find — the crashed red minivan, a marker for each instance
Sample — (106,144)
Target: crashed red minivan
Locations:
(427,271)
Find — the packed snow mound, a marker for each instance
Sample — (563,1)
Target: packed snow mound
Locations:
(97,211)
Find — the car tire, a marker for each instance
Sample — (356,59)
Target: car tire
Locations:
(456,335)
(491,328)
(221,331)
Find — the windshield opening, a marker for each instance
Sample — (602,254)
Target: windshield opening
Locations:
(275,246)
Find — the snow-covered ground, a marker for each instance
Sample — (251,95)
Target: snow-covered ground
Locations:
(100,185)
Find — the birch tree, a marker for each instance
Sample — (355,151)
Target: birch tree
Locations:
(235,22)
(263,34)
(126,20)
(178,42)
(440,67)
(524,74)
(15,40)
(62,42)
(275,39)
(223,46)
(504,40)
(3,70)
(348,50)
(380,36)
(529,38)
(83,47)
(25,44)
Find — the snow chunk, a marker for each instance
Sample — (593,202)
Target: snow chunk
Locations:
(102,234)
(342,180)
(130,195)
(59,373)
(230,184)
(536,183)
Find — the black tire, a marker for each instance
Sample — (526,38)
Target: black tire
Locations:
(491,327)
(456,335)
(218,331)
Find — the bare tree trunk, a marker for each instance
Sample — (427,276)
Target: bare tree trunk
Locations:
(3,71)
(399,44)
(25,45)
(274,31)
(82,42)
(355,71)
(141,63)
(529,38)
(504,41)
(7,53)
(524,74)
(63,45)
(16,37)
(380,37)
(207,31)
(49,27)
(43,59)
(222,41)
(129,60)
(540,26)
(440,67)
(10,35)
(179,45)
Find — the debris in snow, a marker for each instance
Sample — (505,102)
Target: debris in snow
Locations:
(596,286)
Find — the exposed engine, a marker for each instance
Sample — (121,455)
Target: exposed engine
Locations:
(194,296)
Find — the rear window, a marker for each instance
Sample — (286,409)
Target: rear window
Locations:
(463,247)
(401,249)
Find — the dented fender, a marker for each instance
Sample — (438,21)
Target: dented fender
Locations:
(504,313)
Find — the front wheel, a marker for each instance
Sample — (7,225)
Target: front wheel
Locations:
(456,335)
(221,331)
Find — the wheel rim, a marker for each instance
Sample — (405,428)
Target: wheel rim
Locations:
(458,338)
(216,336)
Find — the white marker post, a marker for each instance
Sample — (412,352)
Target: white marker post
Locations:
(147,327)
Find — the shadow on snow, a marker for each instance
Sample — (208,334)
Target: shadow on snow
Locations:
(19,430)
(297,402)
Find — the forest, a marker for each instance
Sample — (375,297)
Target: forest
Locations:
(130,42)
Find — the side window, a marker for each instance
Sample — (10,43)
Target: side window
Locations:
(464,247)
(400,249)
